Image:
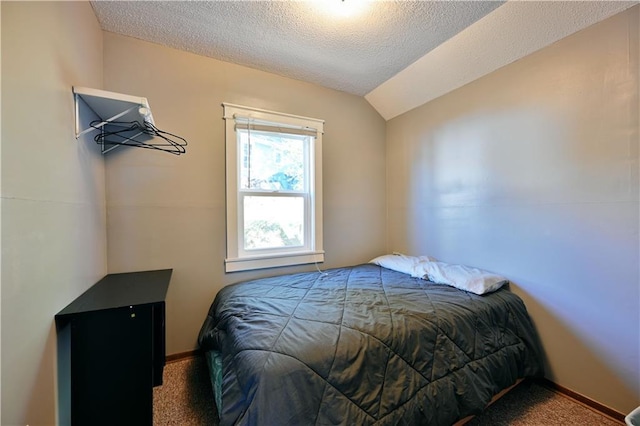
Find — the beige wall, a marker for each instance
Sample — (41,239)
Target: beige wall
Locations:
(166,211)
(53,194)
(532,172)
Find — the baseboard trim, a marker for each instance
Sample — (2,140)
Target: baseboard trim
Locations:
(586,401)
(183,355)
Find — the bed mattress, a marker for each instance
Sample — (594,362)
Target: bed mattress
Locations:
(363,345)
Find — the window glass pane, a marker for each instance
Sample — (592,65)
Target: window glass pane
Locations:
(272,161)
(273,222)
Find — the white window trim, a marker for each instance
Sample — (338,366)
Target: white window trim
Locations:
(234,261)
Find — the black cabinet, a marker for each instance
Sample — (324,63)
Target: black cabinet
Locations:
(111,350)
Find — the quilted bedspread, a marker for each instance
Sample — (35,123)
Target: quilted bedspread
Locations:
(364,345)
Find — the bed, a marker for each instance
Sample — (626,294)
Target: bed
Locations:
(362,345)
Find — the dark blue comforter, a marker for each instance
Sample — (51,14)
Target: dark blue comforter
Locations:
(364,345)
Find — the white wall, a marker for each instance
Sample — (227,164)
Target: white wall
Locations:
(53,194)
(166,211)
(532,172)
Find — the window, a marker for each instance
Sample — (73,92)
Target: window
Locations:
(274,189)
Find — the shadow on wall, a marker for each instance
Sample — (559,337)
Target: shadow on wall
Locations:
(576,351)
(518,193)
(41,402)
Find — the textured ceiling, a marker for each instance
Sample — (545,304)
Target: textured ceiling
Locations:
(399,54)
(300,39)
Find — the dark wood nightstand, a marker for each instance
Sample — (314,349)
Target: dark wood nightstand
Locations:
(111,350)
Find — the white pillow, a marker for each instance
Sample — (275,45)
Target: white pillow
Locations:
(403,263)
(463,277)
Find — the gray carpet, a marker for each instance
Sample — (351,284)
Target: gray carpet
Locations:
(186,398)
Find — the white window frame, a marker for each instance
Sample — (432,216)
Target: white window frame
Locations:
(237,258)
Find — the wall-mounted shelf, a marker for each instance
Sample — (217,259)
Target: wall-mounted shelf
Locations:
(128,118)
(111,106)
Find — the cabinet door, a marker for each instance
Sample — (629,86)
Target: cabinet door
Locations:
(111,367)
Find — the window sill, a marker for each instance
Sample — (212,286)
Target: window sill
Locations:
(261,262)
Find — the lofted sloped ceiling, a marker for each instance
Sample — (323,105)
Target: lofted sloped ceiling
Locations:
(398,54)
(349,45)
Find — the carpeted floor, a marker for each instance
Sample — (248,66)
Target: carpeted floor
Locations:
(186,399)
